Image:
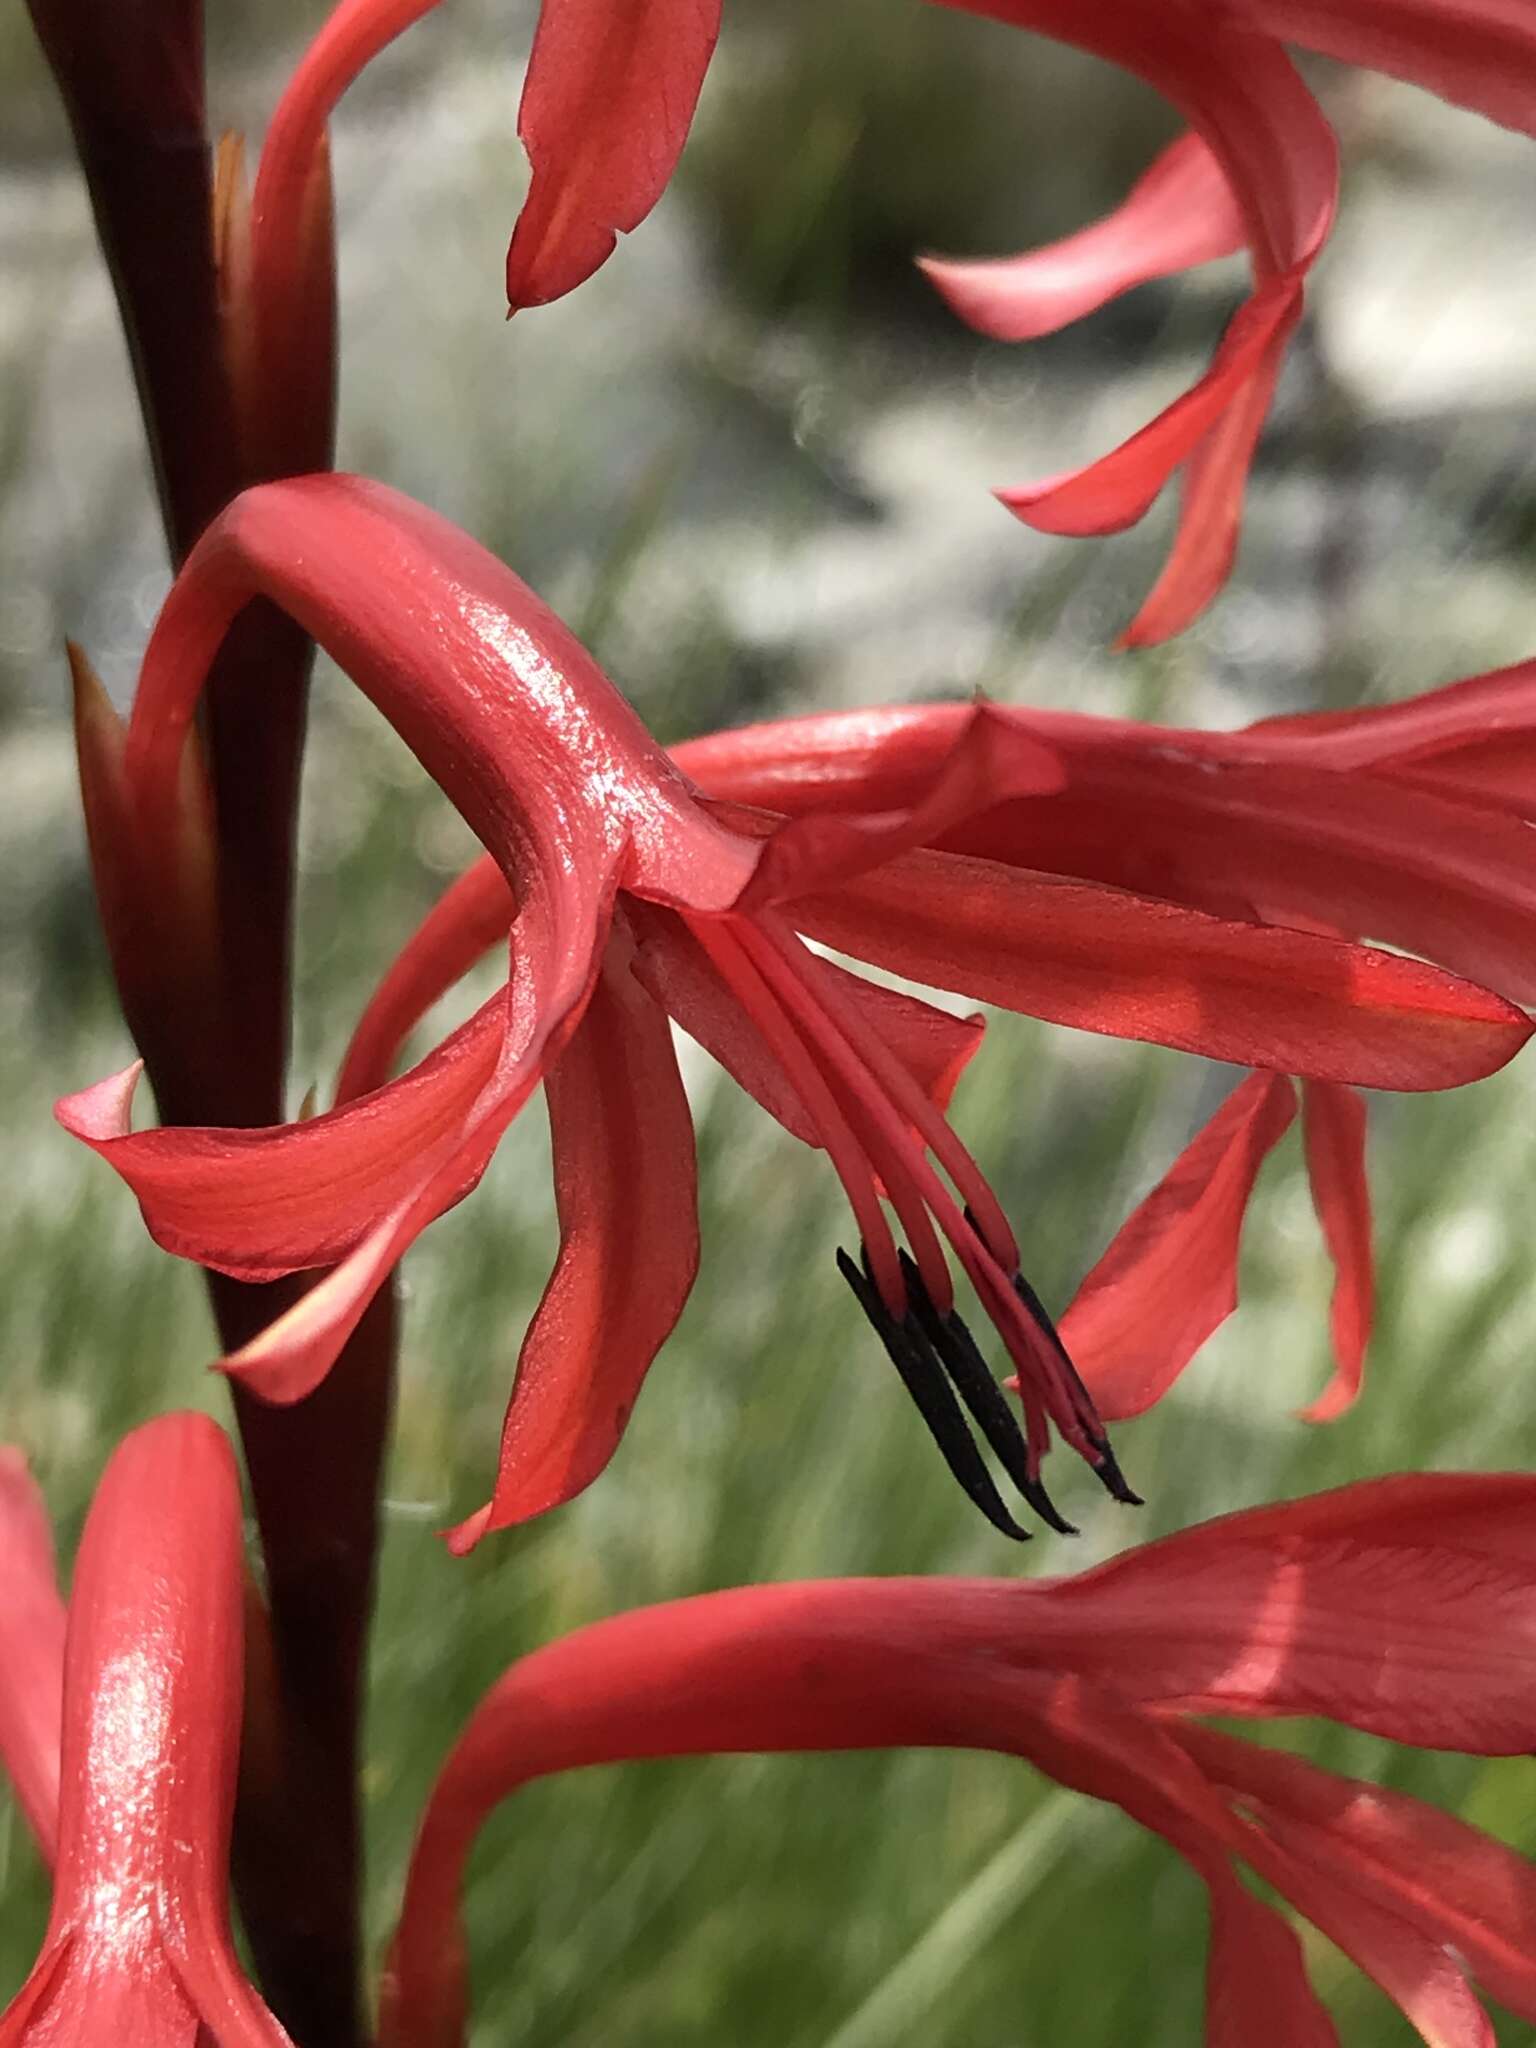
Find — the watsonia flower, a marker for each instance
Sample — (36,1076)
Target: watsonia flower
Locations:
(635,900)
(1407,822)
(1402,1606)
(138,1946)
(608,102)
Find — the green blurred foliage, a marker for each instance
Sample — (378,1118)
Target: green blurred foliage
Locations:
(849,1903)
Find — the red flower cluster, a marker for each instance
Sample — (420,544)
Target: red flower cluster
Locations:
(1406,1607)
(1331,902)
(925,841)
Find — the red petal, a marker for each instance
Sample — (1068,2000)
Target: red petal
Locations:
(625,1189)
(1333,1123)
(1421,1976)
(1403,1606)
(258,1203)
(1105,960)
(1237,88)
(1169,1279)
(1119,488)
(1459,1886)
(1478,53)
(545,1000)
(1179,213)
(990,761)
(1453,1881)
(31,1650)
(1211,509)
(880,759)
(138,1946)
(609,98)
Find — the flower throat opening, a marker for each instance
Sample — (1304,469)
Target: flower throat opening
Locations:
(886,1140)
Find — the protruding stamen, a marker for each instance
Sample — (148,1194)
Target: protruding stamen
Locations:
(923,1377)
(959,1354)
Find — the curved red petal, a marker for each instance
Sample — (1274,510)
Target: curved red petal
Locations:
(626,1194)
(608,102)
(1211,505)
(31,1650)
(1402,1606)
(1180,212)
(502,705)
(1477,53)
(1119,488)
(1102,959)
(1457,1884)
(1169,1278)
(1333,1125)
(259,1203)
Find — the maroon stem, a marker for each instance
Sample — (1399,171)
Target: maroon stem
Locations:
(132,81)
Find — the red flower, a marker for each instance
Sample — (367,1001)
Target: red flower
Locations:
(610,95)
(138,1945)
(1407,822)
(1405,1607)
(635,900)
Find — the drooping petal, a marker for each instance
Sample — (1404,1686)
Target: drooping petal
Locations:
(1456,1883)
(1169,1278)
(627,1199)
(552,977)
(1477,53)
(1117,489)
(1180,212)
(1403,1606)
(1236,87)
(1333,1125)
(1211,500)
(606,108)
(1102,959)
(31,1650)
(138,1945)
(1422,1976)
(265,1202)
(1275,154)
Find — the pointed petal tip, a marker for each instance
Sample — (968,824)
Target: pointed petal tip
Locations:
(103,1111)
(463,1537)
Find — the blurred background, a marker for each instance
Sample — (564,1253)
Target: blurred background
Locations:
(751,463)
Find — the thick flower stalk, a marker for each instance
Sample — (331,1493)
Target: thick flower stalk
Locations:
(138,1946)
(1403,1606)
(636,899)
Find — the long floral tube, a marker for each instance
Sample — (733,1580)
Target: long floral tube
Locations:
(138,1945)
(1404,1606)
(1402,822)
